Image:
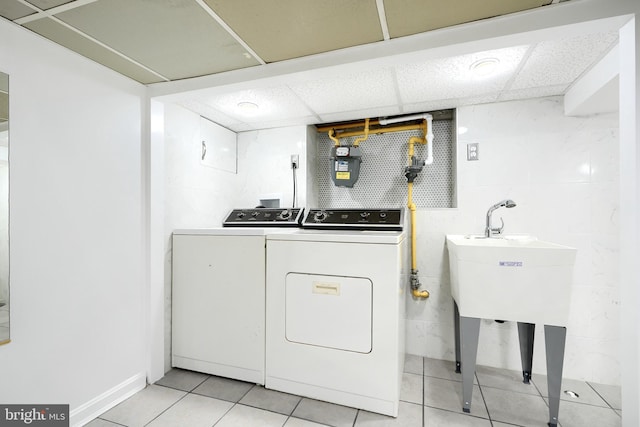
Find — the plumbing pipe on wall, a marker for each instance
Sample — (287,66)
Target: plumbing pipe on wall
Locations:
(344,130)
(411,172)
(429,133)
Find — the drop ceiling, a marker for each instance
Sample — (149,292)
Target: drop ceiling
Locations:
(158,42)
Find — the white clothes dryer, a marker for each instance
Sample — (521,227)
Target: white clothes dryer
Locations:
(335,314)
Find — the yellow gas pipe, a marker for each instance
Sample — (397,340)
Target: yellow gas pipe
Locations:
(356,143)
(416,292)
(365,136)
(331,131)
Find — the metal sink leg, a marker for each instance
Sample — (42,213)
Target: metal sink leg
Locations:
(469,331)
(526,332)
(554,338)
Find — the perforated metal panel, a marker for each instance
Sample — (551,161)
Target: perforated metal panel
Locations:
(382,183)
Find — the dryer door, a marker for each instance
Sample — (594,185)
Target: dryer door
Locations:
(329,311)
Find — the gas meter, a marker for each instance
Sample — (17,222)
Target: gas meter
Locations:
(345,164)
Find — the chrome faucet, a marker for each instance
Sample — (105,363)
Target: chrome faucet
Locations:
(490,231)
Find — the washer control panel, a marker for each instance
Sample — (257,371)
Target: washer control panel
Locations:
(354,219)
(264,217)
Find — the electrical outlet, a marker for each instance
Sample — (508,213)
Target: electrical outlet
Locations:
(295,161)
(473,151)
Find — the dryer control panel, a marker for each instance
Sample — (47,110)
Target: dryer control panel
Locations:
(264,217)
(355,219)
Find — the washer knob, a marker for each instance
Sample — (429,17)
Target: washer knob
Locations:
(240,215)
(364,214)
(383,214)
(320,216)
(285,214)
(255,214)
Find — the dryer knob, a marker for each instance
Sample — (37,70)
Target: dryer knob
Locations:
(320,216)
(285,214)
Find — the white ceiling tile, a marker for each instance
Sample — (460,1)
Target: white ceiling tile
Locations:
(243,127)
(276,103)
(441,104)
(451,78)
(366,90)
(210,113)
(360,114)
(535,92)
(296,121)
(557,62)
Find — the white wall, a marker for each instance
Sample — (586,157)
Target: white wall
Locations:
(198,196)
(77,303)
(4,219)
(630,218)
(264,165)
(563,174)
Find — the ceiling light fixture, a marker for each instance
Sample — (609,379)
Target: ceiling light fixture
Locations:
(484,67)
(247,106)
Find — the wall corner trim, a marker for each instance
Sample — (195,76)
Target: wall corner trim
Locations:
(107,400)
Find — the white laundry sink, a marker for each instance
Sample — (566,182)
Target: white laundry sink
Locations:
(517,278)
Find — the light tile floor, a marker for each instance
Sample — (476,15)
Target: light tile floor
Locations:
(431,396)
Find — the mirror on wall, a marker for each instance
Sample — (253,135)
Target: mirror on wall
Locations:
(4,208)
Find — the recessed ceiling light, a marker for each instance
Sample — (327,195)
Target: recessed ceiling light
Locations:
(247,106)
(484,67)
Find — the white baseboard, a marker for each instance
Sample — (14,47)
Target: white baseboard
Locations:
(107,400)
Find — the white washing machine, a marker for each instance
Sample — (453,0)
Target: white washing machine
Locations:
(335,311)
(218,295)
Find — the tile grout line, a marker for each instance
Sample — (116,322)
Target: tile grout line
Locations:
(459,413)
(234,405)
(484,401)
(358,412)
(225,414)
(424,405)
(601,396)
(294,409)
(112,422)
(191,392)
(169,407)
(593,405)
(514,391)
(536,387)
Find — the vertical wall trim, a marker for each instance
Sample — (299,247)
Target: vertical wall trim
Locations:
(630,220)
(153,169)
(145,123)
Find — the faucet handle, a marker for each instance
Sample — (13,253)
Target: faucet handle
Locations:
(499,229)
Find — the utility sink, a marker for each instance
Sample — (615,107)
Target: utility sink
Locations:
(517,278)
